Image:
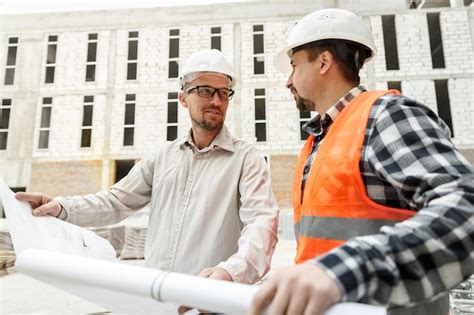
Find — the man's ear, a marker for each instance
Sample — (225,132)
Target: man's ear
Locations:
(327,61)
(182,99)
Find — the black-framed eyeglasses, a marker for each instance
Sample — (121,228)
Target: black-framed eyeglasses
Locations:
(208,92)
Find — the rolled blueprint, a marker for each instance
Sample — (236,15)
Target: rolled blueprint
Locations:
(80,275)
(123,288)
(205,294)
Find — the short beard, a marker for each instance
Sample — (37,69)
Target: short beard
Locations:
(304,104)
(208,126)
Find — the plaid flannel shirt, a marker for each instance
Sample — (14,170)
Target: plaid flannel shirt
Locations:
(408,161)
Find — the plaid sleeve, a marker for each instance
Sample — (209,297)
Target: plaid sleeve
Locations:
(421,258)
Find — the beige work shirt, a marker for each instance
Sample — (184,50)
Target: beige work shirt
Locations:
(209,207)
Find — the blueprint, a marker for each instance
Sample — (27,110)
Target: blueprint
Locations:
(48,232)
(78,261)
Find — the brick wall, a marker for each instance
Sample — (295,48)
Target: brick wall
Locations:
(66,178)
(66,123)
(152,84)
(282,168)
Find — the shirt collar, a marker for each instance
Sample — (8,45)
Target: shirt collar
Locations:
(223,140)
(319,125)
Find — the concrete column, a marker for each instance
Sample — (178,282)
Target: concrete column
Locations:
(17,167)
(237,33)
(109,102)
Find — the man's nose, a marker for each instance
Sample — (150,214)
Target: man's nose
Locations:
(289,82)
(215,99)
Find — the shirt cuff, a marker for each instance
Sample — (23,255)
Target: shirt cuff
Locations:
(345,270)
(236,269)
(63,215)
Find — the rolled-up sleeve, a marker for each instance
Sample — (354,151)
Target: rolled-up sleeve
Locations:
(259,214)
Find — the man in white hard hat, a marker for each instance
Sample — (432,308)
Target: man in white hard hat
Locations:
(383,202)
(212,209)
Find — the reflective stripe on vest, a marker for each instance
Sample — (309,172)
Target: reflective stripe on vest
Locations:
(335,205)
(344,228)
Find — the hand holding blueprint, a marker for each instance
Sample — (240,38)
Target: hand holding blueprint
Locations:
(50,250)
(132,289)
(49,233)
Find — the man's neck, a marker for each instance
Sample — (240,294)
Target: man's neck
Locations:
(203,138)
(335,92)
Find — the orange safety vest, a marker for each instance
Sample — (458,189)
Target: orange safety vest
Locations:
(335,205)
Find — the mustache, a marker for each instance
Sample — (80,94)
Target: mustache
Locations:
(211,108)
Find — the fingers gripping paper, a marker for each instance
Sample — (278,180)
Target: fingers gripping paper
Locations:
(48,232)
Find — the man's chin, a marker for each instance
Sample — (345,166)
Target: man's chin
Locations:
(301,107)
(304,106)
(212,125)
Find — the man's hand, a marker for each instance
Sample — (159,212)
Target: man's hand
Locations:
(42,204)
(304,289)
(216,273)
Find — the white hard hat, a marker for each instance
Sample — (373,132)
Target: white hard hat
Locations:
(207,61)
(322,25)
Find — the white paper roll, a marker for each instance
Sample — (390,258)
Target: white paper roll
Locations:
(123,288)
(207,294)
(113,276)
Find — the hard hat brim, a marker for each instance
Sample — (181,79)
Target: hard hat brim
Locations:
(198,74)
(282,59)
